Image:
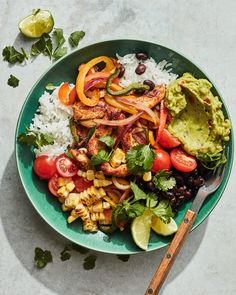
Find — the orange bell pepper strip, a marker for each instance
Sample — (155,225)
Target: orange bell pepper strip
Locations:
(163,118)
(152,140)
(82,75)
(66,95)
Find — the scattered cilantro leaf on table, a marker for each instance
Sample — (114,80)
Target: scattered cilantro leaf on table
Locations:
(140,159)
(65,254)
(13,81)
(123,258)
(42,258)
(59,41)
(43,45)
(11,55)
(164,181)
(75,38)
(89,262)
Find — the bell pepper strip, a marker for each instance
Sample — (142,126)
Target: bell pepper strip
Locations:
(66,95)
(80,81)
(73,130)
(128,109)
(126,90)
(163,117)
(152,140)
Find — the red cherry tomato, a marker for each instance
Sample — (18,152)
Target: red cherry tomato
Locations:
(167,140)
(53,185)
(81,183)
(65,166)
(44,167)
(182,161)
(162,161)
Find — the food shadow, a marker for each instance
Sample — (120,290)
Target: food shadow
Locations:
(26,230)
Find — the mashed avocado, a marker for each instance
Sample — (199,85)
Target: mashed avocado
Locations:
(198,121)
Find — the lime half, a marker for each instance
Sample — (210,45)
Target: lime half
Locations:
(140,229)
(34,25)
(164,229)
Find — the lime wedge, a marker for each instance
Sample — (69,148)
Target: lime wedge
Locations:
(34,25)
(140,229)
(164,229)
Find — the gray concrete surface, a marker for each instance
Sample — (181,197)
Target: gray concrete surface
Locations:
(203,30)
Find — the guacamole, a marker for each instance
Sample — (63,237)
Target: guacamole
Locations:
(198,121)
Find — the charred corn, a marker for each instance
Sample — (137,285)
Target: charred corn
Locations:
(110,201)
(63,181)
(70,186)
(64,208)
(101,182)
(89,225)
(99,175)
(99,216)
(63,192)
(73,216)
(117,157)
(113,196)
(147,176)
(92,195)
(72,200)
(99,206)
(82,211)
(89,175)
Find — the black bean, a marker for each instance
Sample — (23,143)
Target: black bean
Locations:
(182,189)
(194,173)
(150,84)
(199,181)
(181,198)
(150,185)
(141,56)
(169,195)
(141,68)
(179,179)
(173,201)
(190,181)
(122,72)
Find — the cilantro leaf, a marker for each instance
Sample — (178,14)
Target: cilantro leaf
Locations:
(58,53)
(43,45)
(163,210)
(11,55)
(163,181)
(140,159)
(35,138)
(59,41)
(65,256)
(108,140)
(89,262)
(13,81)
(138,193)
(101,157)
(135,210)
(75,37)
(42,258)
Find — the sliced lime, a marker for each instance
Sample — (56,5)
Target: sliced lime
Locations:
(164,229)
(140,229)
(36,24)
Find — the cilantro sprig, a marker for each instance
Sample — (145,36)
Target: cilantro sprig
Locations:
(140,159)
(75,38)
(13,81)
(164,181)
(11,55)
(102,157)
(42,258)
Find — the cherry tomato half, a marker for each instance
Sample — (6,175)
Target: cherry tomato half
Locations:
(81,183)
(44,167)
(53,185)
(182,161)
(167,140)
(162,161)
(65,166)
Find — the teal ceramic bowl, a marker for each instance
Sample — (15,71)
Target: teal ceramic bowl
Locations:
(36,190)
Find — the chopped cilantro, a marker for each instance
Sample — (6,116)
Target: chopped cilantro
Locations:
(35,138)
(163,210)
(102,157)
(108,140)
(11,55)
(164,181)
(89,262)
(13,81)
(75,38)
(42,258)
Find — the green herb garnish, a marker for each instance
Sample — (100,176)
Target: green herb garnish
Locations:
(102,157)
(140,159)
(163,210)
(35,138)
(50,87)
(164,181)
(108,140)
(212,161)
(42,258)
(89,262)
(75,38)
(11,55)
(13,81)
(65,254)
(123,258)
(59,41)
(43,45)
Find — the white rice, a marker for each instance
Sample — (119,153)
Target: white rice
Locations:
(160,73)
(53,117)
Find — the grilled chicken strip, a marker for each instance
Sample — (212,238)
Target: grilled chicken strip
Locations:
(121,171)
(128,141)
(81,158)
(94,145)
(83,112)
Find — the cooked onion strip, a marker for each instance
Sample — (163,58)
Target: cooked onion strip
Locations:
(140,107)
(124,195)
(123,122)
(120,185)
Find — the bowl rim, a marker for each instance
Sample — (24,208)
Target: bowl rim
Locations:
(74,52)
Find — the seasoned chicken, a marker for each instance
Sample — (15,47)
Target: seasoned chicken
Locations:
(94,145)
(128,141)
(113,113)
(152,98)
(81,158)
(121,171)
(83,112)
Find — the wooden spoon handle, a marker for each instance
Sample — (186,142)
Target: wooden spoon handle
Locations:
(171,253)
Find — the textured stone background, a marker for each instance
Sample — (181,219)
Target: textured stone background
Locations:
(204,31)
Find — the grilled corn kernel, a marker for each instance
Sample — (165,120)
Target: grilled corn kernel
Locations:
(70,219)
(147,176)
(99,206)
(70,186)
(64,208)
(99,216)
(99,175)
(72,200)
(112,203)
(90,175)
(81,173)
(101,182)
(63,192)
(82,211)
(63,181)
(117,157)
(89,225)
(113,196)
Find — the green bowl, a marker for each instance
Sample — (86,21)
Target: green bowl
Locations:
(47,205)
